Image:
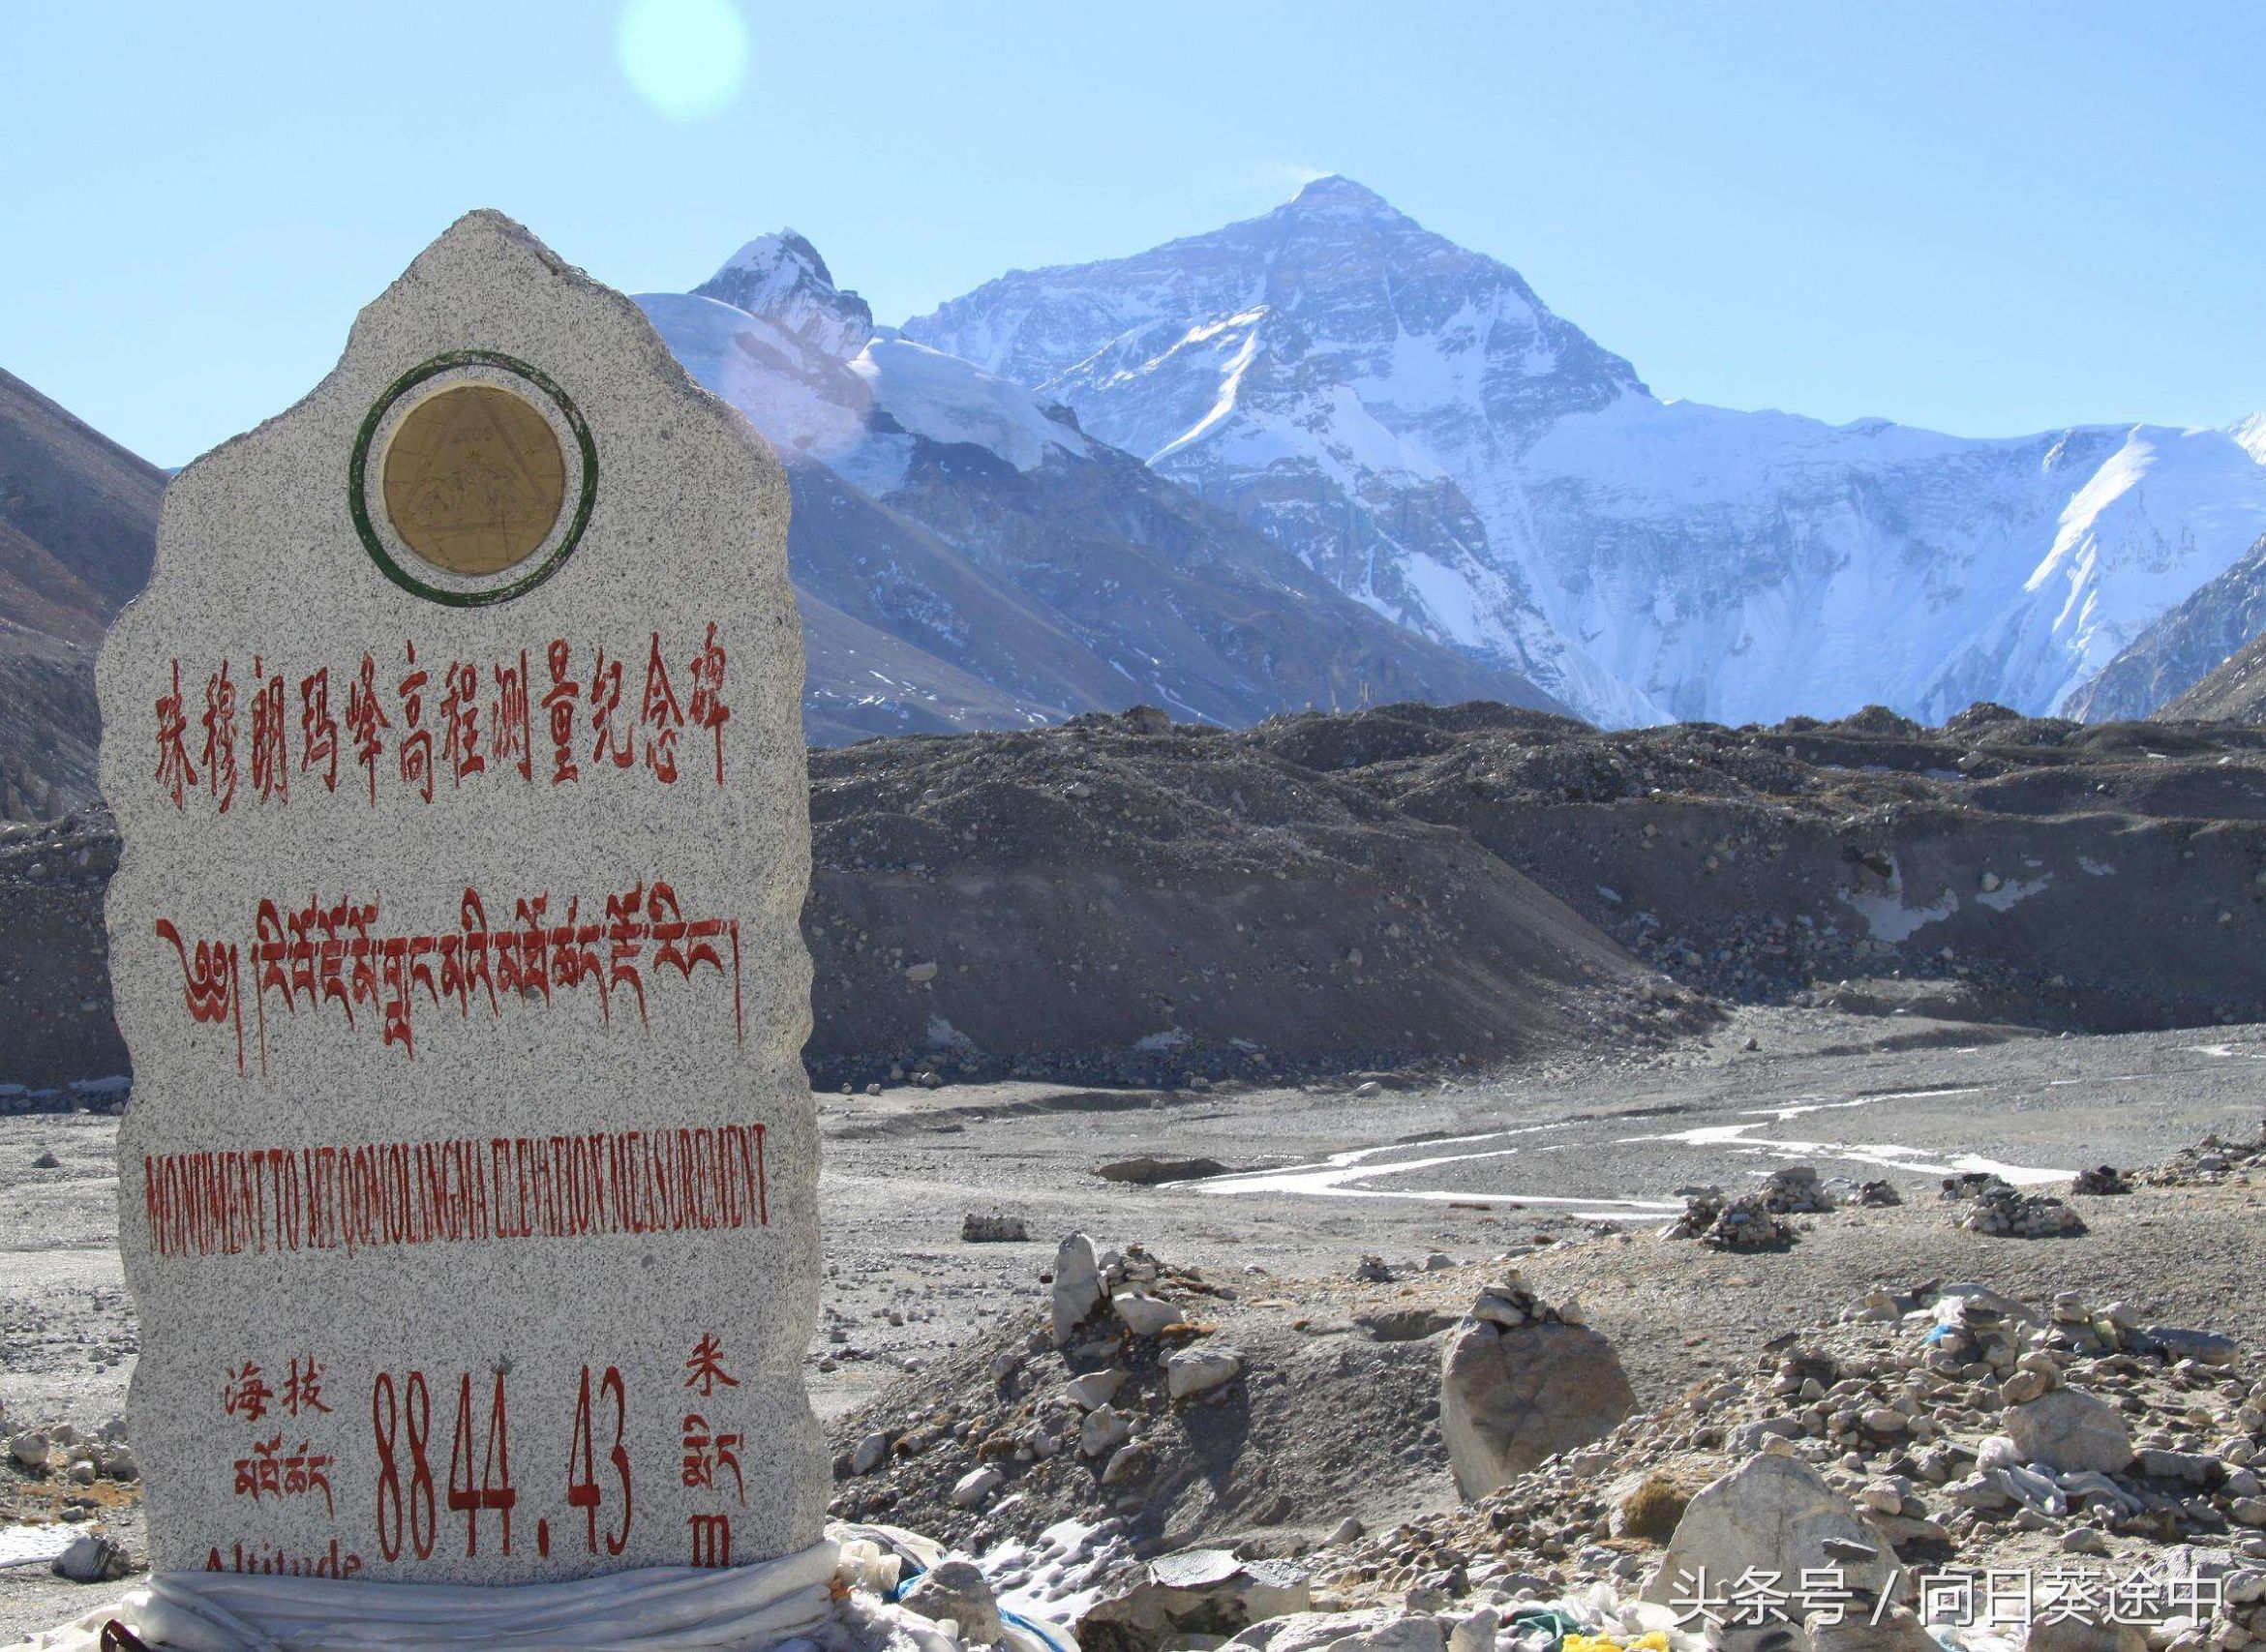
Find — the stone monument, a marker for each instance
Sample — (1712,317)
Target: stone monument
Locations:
(467,1195)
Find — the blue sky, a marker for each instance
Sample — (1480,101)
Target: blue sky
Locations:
(1986,219)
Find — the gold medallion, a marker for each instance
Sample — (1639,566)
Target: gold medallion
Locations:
(474,480)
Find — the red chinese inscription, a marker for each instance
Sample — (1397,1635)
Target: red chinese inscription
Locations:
(472,720)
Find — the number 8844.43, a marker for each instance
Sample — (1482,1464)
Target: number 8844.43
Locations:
(479,1469)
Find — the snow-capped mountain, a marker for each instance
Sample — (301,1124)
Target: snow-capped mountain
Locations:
(952,510)
(1411,421)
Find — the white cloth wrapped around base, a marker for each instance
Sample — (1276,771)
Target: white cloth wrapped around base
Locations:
(739,1608)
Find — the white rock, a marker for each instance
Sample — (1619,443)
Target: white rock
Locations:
(1198,1371)
(1509,1398)
(1102,1430)
(1095,1388)
(1129,1463)
(972,1487)
(1474,1632)
(870,1453)
(1493,1309)
(1078,1285)
(1144,1315)
(955,1588)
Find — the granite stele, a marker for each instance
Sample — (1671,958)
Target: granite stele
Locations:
(467,1195)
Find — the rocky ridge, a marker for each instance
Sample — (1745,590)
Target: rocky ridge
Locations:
(1133,899)
(2186,644)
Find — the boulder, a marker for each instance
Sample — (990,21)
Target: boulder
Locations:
(1130,1463)
(956,1589)
(1475,1631)
(1897,1630)
(2204,1348)
(2050,1633)
(870,1453)
(91,1559)
(1509,1398)
(1413,1633)
(1078,1285)
(1776,1514)
(2069,1431)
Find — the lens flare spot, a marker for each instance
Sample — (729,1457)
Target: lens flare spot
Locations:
(687,59)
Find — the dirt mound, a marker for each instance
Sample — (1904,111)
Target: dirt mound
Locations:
(1101,901)
(55,1025)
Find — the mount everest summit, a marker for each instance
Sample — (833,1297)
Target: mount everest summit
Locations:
(1411,421)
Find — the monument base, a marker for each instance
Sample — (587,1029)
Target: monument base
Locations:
(739,1608)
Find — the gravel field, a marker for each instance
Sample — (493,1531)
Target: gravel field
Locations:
(1590,1153)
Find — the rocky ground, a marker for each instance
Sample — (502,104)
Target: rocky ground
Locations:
(943,1348)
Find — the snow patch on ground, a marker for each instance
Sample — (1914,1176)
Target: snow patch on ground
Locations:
(1888,917)
(2012,892)
(1340,1175)
(34,1546)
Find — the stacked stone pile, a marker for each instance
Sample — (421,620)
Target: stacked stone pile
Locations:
(1996,1208)
(1795,1190)
(2210,1163)
(1089,1408)
(1744,1223)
